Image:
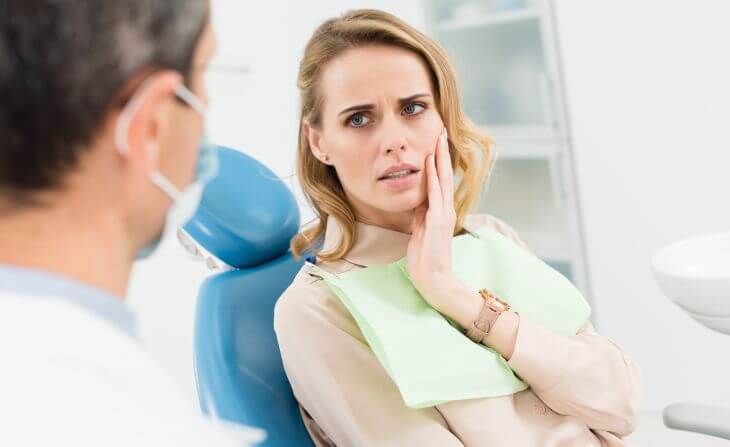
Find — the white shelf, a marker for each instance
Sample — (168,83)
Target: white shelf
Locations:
(525,152)
(525,142)
(523,133)
(488,20)
(547,235)
(548,246)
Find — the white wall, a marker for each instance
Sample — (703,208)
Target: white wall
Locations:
(648,87)
(256,113)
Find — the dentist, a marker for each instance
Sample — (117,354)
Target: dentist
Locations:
(101,150)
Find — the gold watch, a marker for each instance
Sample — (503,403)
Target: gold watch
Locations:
(491,310)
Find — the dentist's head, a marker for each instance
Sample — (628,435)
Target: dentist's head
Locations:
(376,94)
(101,130)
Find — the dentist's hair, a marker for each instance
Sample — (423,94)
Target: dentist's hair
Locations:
(469,148)
(63,68)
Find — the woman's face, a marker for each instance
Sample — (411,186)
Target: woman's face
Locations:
(379,122)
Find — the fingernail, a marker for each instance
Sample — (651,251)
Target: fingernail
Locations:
(445,134)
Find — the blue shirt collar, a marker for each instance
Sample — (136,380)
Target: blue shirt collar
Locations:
(33,282)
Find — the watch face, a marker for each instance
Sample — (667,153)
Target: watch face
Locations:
(494,301)
(501,305)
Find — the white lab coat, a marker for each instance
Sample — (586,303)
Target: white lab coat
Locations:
(70,377)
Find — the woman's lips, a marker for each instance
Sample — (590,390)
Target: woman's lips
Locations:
(401,182)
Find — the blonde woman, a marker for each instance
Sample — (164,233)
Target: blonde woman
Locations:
(381,128)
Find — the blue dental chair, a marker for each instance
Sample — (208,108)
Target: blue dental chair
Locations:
(246,219)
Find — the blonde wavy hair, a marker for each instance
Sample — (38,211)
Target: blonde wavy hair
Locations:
(470,149)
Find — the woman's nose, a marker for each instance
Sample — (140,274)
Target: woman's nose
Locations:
(394,140)
(395,147)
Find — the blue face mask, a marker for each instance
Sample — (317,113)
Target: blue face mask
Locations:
(184,203)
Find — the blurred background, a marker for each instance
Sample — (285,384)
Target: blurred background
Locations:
(611,123)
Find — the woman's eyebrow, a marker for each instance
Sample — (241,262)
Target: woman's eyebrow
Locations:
(359,107)
(365,107)
(408,99)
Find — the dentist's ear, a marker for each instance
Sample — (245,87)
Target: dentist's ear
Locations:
(145,120)
(314,138)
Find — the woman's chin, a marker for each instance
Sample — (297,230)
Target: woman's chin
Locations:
(404,202)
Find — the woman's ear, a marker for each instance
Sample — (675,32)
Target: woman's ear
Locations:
(314,138)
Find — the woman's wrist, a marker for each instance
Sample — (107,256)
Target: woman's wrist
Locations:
(453,298)
(503,335)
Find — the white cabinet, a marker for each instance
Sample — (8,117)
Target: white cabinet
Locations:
(506,57)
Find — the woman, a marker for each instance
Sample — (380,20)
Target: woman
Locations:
(381,126)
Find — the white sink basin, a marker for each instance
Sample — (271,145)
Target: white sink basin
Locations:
(695,274)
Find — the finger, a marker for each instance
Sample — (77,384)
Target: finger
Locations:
(419,216)
(435,197)
(445,170)
(417,232)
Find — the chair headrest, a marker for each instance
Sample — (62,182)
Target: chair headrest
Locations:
(247,215)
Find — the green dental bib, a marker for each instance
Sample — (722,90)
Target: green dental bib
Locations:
(427,356)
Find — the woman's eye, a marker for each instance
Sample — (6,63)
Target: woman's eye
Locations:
(413,109)
(358,120)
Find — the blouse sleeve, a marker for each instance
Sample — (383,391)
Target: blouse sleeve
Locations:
(585,375)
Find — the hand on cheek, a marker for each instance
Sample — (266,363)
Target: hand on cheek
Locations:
(429,251)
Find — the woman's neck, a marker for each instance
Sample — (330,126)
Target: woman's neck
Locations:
(401,222)
(400,227)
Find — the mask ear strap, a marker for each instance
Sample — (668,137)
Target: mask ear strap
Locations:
(165,185)
(191,99)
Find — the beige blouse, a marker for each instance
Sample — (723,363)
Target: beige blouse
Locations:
(584,390)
